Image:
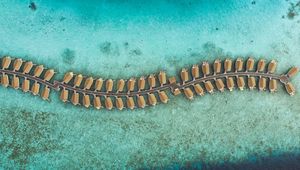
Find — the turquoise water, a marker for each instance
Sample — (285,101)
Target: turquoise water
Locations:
(118,39)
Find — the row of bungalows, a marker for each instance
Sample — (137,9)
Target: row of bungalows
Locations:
(26,76)
(220,78)
(120,94)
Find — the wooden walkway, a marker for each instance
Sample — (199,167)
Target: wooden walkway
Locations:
(146,90)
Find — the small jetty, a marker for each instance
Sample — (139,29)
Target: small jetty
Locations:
(139,92)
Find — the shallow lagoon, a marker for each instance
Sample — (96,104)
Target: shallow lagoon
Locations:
(119,40)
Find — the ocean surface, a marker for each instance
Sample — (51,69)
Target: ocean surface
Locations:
(120,39)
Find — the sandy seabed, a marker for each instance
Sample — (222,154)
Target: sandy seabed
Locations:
(120,40)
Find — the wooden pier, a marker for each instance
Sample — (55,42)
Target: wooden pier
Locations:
(146,90)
